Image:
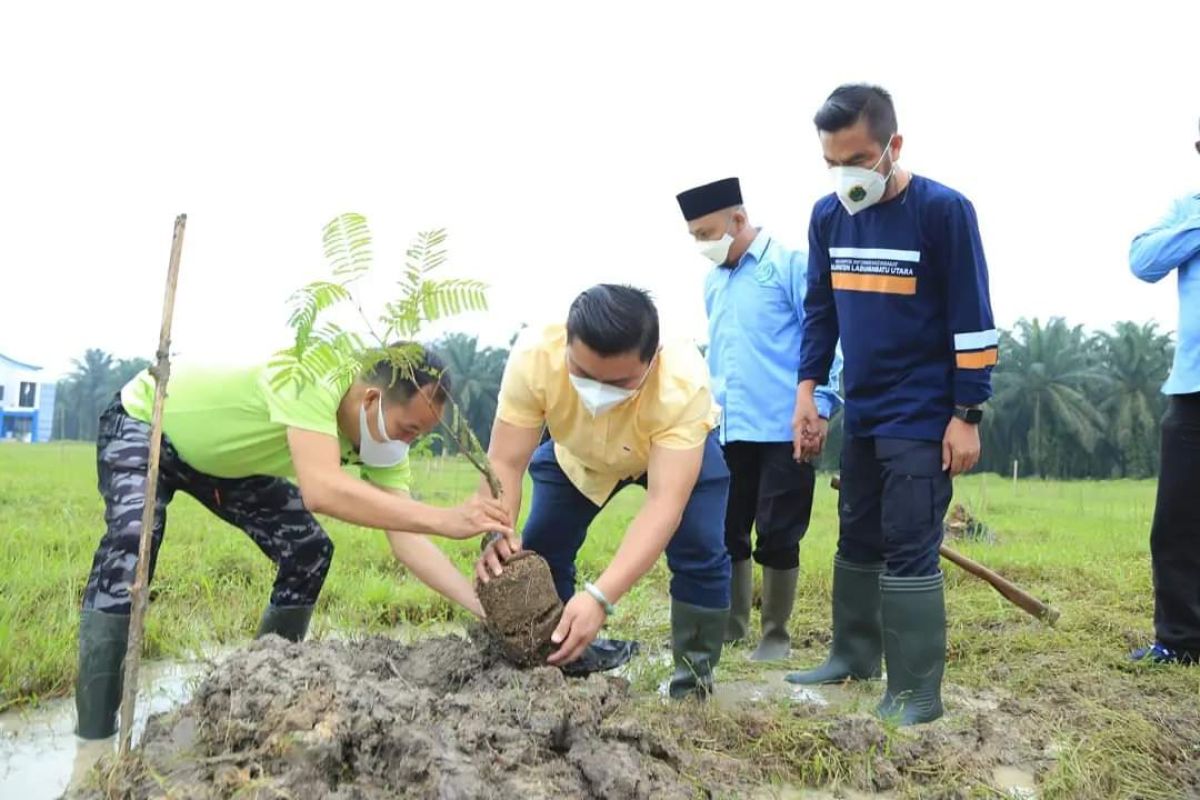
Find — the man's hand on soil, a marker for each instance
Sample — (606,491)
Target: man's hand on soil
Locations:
(477,515)
(491,561)
(581,621)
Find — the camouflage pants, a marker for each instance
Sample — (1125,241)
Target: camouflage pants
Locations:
(268,509)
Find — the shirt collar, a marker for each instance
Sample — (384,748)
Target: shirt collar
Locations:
(757,248)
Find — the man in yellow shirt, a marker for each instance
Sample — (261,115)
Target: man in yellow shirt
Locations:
(620,409)
(265,460)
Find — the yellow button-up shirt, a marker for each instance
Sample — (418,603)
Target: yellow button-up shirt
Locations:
(673,409)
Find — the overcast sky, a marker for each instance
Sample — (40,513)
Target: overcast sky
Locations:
(551,140)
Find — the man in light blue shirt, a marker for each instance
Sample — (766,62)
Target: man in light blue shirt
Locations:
(1174,246)
(755,302)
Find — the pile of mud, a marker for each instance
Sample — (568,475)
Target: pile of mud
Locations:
(444,718)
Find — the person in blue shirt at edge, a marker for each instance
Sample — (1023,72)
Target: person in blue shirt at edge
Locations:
(1174,246)
(896,270)
(754,297)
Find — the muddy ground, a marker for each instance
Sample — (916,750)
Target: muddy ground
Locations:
(451,718)
(443,718)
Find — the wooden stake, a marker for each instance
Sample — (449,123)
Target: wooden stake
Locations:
(141,585)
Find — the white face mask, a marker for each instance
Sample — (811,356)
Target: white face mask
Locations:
(379,453)
(859,188)
(716,250)
(599,397)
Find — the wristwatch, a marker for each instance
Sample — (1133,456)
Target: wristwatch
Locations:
(972,415)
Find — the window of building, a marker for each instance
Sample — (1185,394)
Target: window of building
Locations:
(27,395)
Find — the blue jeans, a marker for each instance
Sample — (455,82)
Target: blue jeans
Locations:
(560,514)
(894,497)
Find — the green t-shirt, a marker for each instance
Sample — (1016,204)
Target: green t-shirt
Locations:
(229,423)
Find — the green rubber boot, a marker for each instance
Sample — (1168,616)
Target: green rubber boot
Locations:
(102,641)
(857,649)
(914,644)
(697,635)
(290,622)
(742,591)
(779,596)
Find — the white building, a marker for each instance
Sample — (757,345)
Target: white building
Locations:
(26,404)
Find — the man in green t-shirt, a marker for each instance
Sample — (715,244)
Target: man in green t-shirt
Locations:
(265,460)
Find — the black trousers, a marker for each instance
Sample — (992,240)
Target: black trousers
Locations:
(1175,534)
(770,492)
(270,510)
(894,497)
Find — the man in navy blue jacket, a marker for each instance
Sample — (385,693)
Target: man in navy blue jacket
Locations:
(896,270)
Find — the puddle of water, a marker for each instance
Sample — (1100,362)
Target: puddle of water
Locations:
(769,686)
(1017,783)
(39,752)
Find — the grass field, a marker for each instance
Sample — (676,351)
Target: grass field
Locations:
(1105,729)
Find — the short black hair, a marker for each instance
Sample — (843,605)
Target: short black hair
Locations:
(854,101)
(613,319)
(400,385)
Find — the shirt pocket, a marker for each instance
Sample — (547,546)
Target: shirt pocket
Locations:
(764,298)
(764,274)
(624,457)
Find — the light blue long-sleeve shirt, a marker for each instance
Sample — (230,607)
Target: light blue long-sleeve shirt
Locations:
(1174,244)
(755,319)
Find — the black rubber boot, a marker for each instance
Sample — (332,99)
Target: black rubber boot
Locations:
(102,641)
(778,598)
(290,622)
(741,587)
(857,649)
(914,644)
(697,635)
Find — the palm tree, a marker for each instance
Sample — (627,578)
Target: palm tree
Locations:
(82,395)
(1136,359)
(66,418)
(126,369)
(1045,387)
(476,374)
(92,381)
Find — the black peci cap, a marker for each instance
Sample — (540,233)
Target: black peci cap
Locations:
(695,203)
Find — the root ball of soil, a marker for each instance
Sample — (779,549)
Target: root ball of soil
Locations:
(522,608)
